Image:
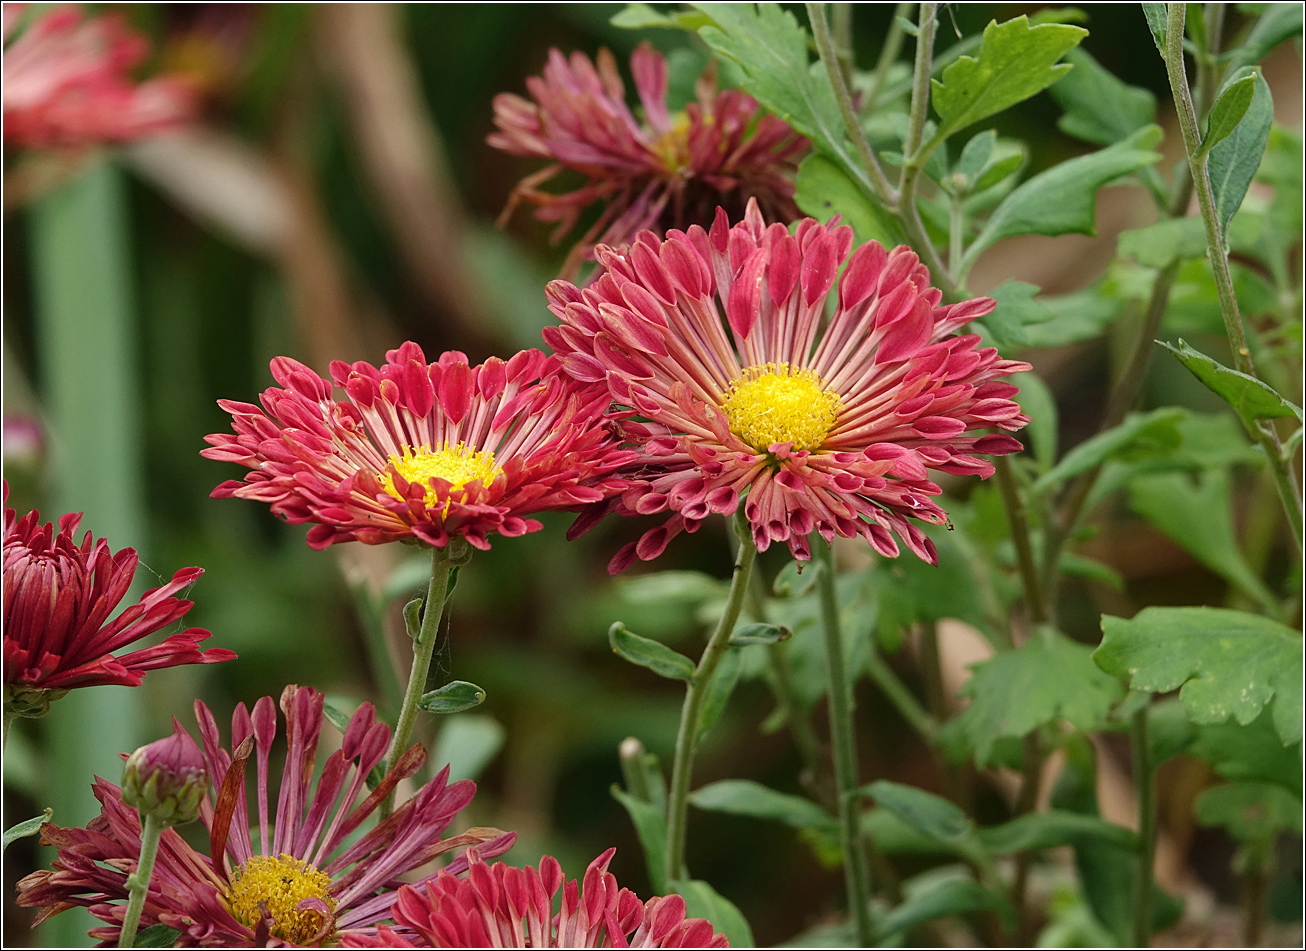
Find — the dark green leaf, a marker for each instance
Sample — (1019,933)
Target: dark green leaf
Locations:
(657,657)
(1049,830)
(336,717)
(640,16)
(1251,752)
(892,836)
(1157,22)
(651,827)
(759,634)
(1100,108)
(1159,244)
(953,896)
(823,189)
(1229,109)
(910,591)
(1229,663)
(689,587)
(25,828)
(983,163)
(743,797)
(1048,678)
(703,901)
(718,692)
(1141,435)
(1232,163)
(1250,398)
(1015,61)
(1169,732)
(1279,22)
(931,815)
(1252,812)
(1016,310)
(1092,569)
(156,936)
(454,697)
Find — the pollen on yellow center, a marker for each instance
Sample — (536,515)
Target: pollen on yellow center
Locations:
(282,883)
(777,404)
(459,464)
(673,145)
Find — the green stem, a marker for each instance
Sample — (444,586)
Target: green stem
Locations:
(138,882)
(842,29)
(1143,785)
(1039,610)
(9,720)
(857,873)
(423,649)
(1031,775)
(1255,891)
(888,54)
(956,235)
(696,692)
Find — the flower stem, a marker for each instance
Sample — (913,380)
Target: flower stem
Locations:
(696,692)
(1039,610)
(888,54)
(857,873)
(138,882)
(1143,785)
(423,649)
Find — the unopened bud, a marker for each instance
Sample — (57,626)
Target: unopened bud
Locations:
(167,779)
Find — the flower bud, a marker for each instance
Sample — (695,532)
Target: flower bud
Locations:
(167,779)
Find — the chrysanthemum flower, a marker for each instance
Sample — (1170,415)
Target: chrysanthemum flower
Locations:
(669,171)
(67,81)
(307,879)
(426,451)
(58,596)
(831,426)
(500,906)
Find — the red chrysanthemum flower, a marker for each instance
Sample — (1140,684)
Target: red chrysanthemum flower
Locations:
(666,172)
(67,81)
(500,906)
(830,426)
(308,881)
(58,596)
(431,452)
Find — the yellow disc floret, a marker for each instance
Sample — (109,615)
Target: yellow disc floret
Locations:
(776,404)
(282,883)
(459,464)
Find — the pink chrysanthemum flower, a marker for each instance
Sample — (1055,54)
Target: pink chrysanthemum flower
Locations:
(58,596)
(67,81)
(307,880)
(668,171)
(826,425)
(500,906)
(427,451)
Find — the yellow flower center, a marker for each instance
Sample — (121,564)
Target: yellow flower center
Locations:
(459,464)
(282,883)
(672,146)
(776,404)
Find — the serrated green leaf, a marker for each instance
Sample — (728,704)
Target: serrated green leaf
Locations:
(1052,829)
(1279,22)
(1048,678)
(1252,812)
(1016,60)
(1141,435)
(718,692)
(156,936)
(928,814)
(703,901)
(640,16)
(656,656)
(953,896)
(759,634)
(1016,310)
(1098,107)
(743,797)
(1158,23)
(1232,163)
(1159,244)
(1062,200)
(1250,398)
(25,828)
(1229,109)
(1253,752)
(454,697)
(651,828)
(823,189)
(1228,663)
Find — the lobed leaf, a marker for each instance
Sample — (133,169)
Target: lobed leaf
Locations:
(1252,812)
(1174,239)
(1252,752)
(1099,107)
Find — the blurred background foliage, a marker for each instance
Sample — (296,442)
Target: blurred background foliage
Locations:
(338,197)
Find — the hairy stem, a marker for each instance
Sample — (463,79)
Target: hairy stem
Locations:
(138,882)
(842,30)
(857,873)
(1143,785)
(691,711)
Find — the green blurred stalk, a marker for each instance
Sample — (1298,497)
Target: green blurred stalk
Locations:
(86,341)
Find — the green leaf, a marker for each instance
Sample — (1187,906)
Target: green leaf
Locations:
(1015,61)
(1250,398)
(1100,108)
(640,16)
(952,896)
(823,189)
(1252,812)
(1159,244)
(1040,405)
(1016,310)
(928,814)
(759,634)
(657,657)
(1229,109)
(1063,199)
(1157,22)
(335,716)
(1199,516)
(25,828)
(1048,678)
(454,697)
(1252,752)
(1083,315)
(156,936)
(792,582)
(1232,163)
(468,744)
(1279,22)
(718,692)
(743,797)
(1228,663)
(892,836)
(983,163)
(651,827)
(703,901)
(688,587)
(1052,829)
(1140,436)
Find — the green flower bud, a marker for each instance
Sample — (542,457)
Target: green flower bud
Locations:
(167,779)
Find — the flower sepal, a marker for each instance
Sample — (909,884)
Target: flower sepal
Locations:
(32,702)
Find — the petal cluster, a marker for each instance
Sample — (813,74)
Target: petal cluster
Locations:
(309,829)
(719,339)
(500,906)
(58,595)
(666,171)
(67,81)
(534,438)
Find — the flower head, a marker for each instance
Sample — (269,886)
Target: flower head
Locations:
(667,171)
(167,779)
(499,906)
(717,339)
(292,873)
(58,595)
(426,451)
(67,81)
